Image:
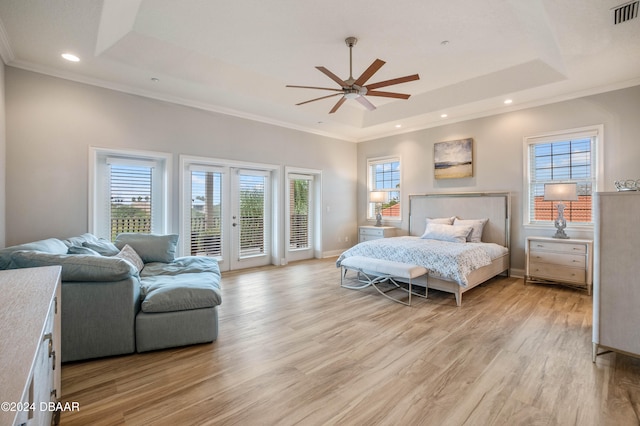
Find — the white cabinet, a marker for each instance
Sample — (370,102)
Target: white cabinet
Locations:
(616,291)
(559,261)
(30,336)
(367,232)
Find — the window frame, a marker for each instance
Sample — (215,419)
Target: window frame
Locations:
(99,190)
(371,208)
(594,131)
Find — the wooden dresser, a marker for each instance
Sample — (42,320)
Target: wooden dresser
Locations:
(30,352)
(559,261)
(616,290)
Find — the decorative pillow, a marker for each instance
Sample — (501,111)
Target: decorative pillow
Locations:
(150,247)
(130,255)
(102,246)
(454,234)
(477,226)
(82,250)
(441,220)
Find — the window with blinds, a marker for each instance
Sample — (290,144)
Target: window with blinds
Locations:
(130,189)
(206,213)
(562,158)
(128,192)
(299,212)
(252,219)
(384,176)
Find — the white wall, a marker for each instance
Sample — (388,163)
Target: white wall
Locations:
(53,122)
(3,162)
(498,153)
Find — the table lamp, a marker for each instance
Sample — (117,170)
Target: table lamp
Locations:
(560,192)
(378,197)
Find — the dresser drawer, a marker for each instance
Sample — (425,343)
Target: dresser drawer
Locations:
(373,232)
(558,247)
(556,272)
(562,259)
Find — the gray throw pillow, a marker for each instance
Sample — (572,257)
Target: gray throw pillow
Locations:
(82,250)
(150,247)
(102,246)
(130,255)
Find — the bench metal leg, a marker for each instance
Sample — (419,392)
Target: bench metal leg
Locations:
(374,280)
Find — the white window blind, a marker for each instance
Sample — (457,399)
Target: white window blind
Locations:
(253,213)
(205,209)
(131,189)
(128,192)
(299,211)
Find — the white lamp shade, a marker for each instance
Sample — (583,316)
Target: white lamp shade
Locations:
(560,191)
(377,196)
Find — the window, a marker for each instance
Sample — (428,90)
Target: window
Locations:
(564,157)
(129,193)
(384,176)
(205,233)
(300,214)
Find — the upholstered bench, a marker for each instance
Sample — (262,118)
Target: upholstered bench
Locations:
(375,271)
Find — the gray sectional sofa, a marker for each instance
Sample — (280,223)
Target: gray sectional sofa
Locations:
(127,296)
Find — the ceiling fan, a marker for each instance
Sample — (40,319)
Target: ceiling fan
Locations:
(354,88)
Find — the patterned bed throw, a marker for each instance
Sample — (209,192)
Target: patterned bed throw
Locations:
(453,261)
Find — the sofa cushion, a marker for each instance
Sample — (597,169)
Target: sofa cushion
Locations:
(77,241)
(78,267)
(102,246)
(150,247)
(168,293)
(82,250)
(182,265)
(130,255)
(50,245)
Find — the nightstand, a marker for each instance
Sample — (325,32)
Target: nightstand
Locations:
(552,260)
(367,232)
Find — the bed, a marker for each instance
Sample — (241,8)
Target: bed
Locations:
(453,267)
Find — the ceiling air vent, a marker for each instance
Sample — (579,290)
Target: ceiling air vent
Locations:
(625,12)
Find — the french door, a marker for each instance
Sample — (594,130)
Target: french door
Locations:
(228,215)
(300,212)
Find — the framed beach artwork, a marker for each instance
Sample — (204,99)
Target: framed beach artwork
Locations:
(453,159)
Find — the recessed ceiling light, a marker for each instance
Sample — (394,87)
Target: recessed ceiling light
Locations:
(398,126)
(443,115)
(444,42)
(507,101)
(70,57)
(155,79)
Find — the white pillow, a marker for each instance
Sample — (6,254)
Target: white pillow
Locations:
(477,226)
(454,234)
(441,220)
(129,254)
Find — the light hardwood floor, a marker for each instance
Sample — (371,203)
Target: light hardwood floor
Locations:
(295,348)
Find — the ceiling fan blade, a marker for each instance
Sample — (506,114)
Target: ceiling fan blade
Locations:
(314,87)
(337,105)
(393,81)
(331,75)
(388,94)
(364,101)
(317,99)
(366,75)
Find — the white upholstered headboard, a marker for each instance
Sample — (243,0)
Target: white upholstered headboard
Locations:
(496,206)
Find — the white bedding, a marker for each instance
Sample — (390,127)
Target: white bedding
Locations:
(453,261)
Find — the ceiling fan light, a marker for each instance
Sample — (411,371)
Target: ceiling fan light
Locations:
(351,95)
